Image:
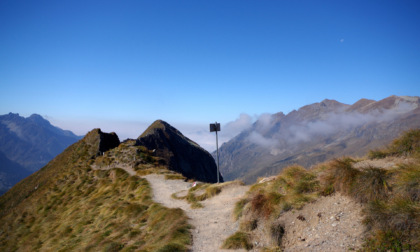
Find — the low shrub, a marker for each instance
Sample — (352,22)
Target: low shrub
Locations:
(371,184)
(237,241)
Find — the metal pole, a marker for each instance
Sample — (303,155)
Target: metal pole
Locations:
(217,147)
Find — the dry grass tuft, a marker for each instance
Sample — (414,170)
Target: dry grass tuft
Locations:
(407,144)
(237,241)
(372,184)
(203,191)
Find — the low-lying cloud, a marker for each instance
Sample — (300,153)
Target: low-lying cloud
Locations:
(201,133)
(304,131)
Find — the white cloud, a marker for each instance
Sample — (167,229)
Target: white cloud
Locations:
(257,138)
(233,128)
(331,123)
(200,133)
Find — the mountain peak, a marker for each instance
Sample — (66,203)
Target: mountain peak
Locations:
(39,120)
(361,104)
(330,103)
(178,152)
(158,124)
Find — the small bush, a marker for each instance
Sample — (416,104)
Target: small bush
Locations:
(408,181)
(237,241)
(372,184)
(341,176)
(407,144)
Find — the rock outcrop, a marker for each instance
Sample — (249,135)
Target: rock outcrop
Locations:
(179,153)
(100,142)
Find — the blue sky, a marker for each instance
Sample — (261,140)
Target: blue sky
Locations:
(120,65)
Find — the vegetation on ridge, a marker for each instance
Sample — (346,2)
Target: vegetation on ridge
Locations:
(202,191)
(70,206)
(390,197)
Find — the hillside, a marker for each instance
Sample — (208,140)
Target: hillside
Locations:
(26,145)
(316,133)
(369,204)
(92,197)
(67,205)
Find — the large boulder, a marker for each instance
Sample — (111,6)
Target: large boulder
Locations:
(179,153)
(100,142)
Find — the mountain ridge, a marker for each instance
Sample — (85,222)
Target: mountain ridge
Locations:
(32,141)
(27,145)
(315,133)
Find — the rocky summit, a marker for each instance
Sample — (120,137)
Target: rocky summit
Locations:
(179,153)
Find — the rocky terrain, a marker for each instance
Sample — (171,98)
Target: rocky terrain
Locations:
(179,153)
(316,133)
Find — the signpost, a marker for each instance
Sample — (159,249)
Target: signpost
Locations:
(214,127)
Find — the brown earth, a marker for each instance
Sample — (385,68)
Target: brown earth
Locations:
(213,223)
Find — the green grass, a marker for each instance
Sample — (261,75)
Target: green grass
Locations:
(237,241)
(203,191)
(75,208)
(292,188)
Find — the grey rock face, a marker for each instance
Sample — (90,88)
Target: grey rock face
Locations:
(179,153)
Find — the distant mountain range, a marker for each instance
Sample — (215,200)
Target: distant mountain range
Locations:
(26,145)
(316,133)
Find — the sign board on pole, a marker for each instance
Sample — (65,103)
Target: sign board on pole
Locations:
(214,127)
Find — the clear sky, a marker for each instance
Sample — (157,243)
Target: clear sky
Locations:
(120,65)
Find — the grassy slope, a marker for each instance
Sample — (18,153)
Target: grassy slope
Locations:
(391,197)
(68,206)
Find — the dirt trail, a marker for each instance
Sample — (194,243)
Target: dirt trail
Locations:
(330,224)
(213,223)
